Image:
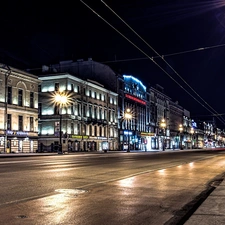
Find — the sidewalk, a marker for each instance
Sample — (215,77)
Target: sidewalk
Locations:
(212,210)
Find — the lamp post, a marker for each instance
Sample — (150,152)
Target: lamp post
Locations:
(7,74)
(128,116)
(60,99)
(163,126)
(180,129)
(192,132)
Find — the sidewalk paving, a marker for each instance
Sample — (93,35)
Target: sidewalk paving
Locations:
(212,210)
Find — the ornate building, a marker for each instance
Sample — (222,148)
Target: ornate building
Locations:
(18,111)
(87,120)
(133,129)
(150,109)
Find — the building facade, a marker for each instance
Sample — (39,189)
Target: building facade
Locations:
(150,107)
(18,111)
(134,114)
(88,121)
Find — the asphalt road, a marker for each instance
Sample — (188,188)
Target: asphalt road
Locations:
(111,188)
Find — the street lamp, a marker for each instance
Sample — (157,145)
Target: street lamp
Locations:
(163,126)
(60,99)
(127,117)
(180,129)
(192,132)
(7,74)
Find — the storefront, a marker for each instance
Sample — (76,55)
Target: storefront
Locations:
(18,142)
(148,141)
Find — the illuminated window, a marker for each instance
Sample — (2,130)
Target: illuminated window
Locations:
(20,97)
(72,128)
(90,130)
(39,108)
(9,101)
(31,123)
(90,110)
(95,130)
(32,99)
(56,86)
(105,131)
(105,114)
(100,131)
(56,109)
(113,116)
(72,109)
(100,113)
(84,129)
(78,109)
(84,110)
(110,115)
(20,123)
(95,112)
(9,121)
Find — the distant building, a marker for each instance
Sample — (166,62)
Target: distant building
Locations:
(18,111)
(147,106)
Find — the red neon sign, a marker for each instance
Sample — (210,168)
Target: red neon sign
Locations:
(135,99)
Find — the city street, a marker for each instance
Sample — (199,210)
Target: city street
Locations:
(107,188)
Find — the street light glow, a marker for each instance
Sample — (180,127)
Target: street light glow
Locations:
(128,114)
(163,123)
(61,99)
(180,128)
(163,126)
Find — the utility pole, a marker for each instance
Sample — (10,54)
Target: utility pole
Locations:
(7,74)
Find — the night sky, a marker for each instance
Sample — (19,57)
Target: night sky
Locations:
(190,34)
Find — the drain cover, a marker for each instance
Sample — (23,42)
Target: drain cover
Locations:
(22,216)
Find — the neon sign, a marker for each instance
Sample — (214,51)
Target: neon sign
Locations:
(135,99)
(136,80)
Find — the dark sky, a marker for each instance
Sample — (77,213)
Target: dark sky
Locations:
(33,34)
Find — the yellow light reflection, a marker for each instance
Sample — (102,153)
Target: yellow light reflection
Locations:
(58,205)
(162,171)
(128,182)
(191,164)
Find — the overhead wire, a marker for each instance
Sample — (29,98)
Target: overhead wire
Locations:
(162,57)
(151,58)
(167,55)
(147,56)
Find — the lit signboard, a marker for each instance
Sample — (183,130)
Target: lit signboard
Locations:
(79,136)
(147,134)
(135,99)
(127,132)
(194,124)
(19,133)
